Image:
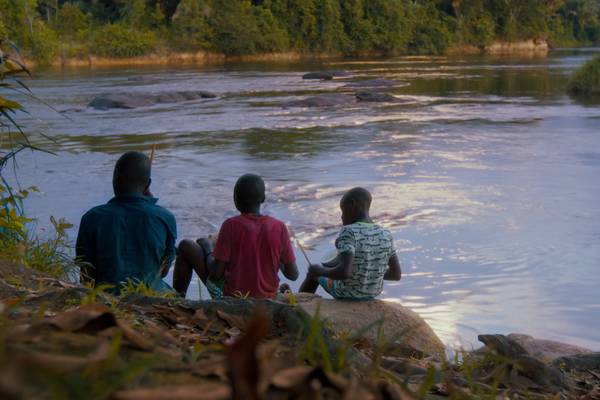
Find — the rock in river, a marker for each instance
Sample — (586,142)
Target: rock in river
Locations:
(372,97)
(323,100)
(135,100)
(374,83)
(325,75)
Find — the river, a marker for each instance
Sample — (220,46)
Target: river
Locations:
(485,171)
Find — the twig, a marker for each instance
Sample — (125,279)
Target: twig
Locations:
(300,246)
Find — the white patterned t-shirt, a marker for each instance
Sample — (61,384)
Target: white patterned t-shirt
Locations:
(372,247)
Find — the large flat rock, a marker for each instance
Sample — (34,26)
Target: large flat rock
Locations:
(546,350)
(136,100)
(404,331)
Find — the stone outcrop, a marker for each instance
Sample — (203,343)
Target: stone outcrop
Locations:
(373,97)
(405,333)
(322,100)
(136,100)
(546,350)
(325,75)
(374,83)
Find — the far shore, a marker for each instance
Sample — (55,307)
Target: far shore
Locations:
(523,48)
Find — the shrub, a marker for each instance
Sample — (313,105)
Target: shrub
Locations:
(189,27)
(71,22)
(273,37)
(236,30)
(44,43)
(115,40)
(586,80)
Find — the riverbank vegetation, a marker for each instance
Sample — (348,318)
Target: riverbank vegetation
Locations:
(47,29)
(586,80)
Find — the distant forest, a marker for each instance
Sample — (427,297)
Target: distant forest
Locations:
(44,29)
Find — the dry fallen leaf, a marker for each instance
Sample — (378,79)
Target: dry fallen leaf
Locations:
(206,391)
(65,362)
(90,318)
(242,364)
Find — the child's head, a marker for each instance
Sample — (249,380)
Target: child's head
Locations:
(132,173)
(355,205)
(249,193)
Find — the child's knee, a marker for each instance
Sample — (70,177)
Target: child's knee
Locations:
(186,246)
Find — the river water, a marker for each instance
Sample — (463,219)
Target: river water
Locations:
(485,172)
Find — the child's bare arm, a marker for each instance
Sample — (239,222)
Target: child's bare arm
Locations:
(340,272)
(290,270)
(394,272)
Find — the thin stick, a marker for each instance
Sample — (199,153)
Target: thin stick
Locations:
(152,153)
(300,246)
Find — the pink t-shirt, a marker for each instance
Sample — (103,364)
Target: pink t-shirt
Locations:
(254,247)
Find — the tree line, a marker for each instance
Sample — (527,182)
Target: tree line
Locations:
(126,28)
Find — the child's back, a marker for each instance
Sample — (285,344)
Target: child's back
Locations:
(253,246)
(372,247)
(366,255)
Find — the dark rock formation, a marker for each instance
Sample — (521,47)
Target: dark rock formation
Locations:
(136,100)
(374,83)
(372,97)
(579,362)
(323,100)
(325,75)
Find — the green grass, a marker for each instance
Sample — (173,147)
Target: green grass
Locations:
(586,80)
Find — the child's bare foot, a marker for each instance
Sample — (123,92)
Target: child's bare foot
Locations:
(285,288)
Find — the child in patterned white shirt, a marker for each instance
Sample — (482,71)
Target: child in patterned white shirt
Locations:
(366,255)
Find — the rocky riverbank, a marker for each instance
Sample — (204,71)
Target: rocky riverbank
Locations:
(60,340)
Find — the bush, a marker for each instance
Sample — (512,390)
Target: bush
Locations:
(586,80)
(236,30)
(189,27)
(272,36)
(71,23)
(118,41)
(44,43)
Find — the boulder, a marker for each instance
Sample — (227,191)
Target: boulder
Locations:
(371,97)
(119,100)
(546,350)
(374,83)
(325,75)
(323,100)
(405,333)
(579,362)
(135,100)
(522,369)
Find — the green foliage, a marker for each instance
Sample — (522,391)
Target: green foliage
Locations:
(189,27)
(115,40)
(71,23)
(239,27)
(132,287)
(44,47)
(17,243)
(586,80)
(235,28)
(430,35)
(272,36)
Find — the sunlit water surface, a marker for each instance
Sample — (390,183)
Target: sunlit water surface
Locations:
(486,173)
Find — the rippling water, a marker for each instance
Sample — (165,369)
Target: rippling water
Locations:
(486,173)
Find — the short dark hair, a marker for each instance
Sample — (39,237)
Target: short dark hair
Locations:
(360,196)
(132,173)
(249,192)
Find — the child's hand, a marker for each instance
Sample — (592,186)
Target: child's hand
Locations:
(314,271)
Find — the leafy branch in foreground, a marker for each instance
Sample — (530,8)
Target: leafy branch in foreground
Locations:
(17,243)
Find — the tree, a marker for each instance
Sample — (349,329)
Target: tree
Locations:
(189,26)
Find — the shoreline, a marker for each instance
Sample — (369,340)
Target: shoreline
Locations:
(534,48)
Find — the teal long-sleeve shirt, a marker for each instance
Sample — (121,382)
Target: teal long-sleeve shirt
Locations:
(129,238)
